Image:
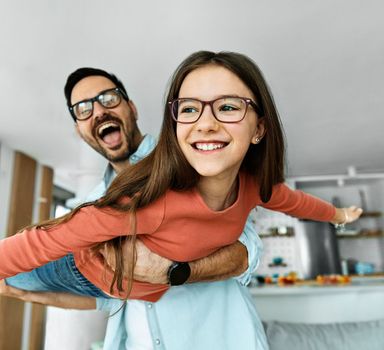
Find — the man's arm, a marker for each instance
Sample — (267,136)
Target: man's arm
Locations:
(227,262)
(238,260)
(62,300)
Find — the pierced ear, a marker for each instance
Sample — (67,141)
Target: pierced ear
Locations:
(260,131)
(255,140)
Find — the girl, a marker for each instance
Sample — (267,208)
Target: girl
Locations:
(220,154)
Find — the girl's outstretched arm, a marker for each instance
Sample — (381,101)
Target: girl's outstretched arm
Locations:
(305,206)
(35,247)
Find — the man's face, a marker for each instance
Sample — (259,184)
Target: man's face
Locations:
(111,132)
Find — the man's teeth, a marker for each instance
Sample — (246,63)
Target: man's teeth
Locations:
(106,126)
(209,146)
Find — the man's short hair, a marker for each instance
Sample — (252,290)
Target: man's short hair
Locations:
(84,72)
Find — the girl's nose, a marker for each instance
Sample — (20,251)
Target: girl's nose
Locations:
(207,121)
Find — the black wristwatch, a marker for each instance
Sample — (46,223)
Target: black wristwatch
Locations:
(178,273)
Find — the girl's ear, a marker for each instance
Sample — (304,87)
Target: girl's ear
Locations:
(259,132)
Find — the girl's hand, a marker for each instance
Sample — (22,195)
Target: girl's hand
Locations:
(346,215)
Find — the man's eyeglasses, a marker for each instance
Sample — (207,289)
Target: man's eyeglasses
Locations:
(108,98)
(228,109)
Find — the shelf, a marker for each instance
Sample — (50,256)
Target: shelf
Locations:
(269,235)
(352,178)
(363,234)
(371,214)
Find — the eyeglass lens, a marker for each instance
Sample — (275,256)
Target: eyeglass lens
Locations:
(108,99)
(227,109)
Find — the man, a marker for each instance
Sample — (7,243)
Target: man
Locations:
(105,118)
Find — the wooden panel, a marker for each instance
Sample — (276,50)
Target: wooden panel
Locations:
(36,335)
(46,190)
(23,189)
(20,215)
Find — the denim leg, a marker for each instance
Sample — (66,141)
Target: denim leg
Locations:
(57,276)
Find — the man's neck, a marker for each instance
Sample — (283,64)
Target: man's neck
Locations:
(119,166)
(123,164)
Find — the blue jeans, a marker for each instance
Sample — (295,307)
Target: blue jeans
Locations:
(57,276)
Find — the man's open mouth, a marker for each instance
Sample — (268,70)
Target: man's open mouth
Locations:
(110,133)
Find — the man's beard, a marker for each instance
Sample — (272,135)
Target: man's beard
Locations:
(122,154)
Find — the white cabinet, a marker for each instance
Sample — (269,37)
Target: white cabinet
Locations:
(363,240)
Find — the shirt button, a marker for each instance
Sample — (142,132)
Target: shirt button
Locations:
(157,341)
(149,306)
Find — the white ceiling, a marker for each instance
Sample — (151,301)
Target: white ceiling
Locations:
(324,61)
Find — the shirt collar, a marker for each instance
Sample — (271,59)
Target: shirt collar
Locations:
(145,147)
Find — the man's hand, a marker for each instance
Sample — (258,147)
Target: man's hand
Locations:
(149,267)
(63,300)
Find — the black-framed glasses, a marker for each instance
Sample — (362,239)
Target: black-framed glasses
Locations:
(110,98)
(226,109)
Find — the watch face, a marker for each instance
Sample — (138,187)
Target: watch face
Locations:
(179,273)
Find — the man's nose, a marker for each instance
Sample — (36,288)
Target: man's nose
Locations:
(98,110)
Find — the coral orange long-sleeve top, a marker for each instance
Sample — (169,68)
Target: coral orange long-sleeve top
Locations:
(178,226)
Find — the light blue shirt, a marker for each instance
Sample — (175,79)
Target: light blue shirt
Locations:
(198,316)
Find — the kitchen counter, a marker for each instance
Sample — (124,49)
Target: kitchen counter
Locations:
(361,300)
(358,284)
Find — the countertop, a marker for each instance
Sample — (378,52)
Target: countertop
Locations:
(357,284)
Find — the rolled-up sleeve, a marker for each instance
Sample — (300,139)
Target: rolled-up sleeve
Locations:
(254,246)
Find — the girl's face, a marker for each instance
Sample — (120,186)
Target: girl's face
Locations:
(213,148)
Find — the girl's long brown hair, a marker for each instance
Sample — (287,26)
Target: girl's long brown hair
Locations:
(167,168)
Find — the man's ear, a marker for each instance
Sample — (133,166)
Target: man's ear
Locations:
(77,130)
(133,108)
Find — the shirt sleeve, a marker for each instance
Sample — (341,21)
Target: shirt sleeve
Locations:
(254,246)
(35,247)
(299,204)
(110,305)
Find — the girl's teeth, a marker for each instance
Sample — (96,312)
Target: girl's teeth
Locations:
(208,147)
